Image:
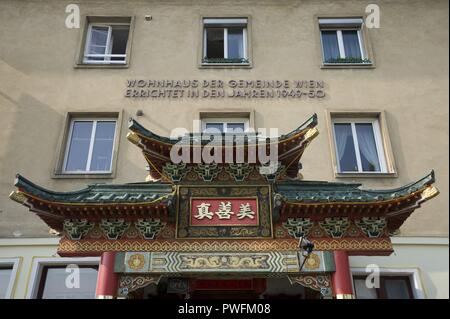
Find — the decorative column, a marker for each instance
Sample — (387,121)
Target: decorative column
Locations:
(342,279)
(107,281)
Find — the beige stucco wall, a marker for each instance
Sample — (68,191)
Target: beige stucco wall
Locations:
(39,85)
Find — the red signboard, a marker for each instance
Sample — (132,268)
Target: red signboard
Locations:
(224,211)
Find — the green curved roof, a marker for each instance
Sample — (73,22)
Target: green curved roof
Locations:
(322,192)
(290,191)
(100,193)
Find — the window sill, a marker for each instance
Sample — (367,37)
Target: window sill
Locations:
(83,175)
(100,66)
(347,66)
(225,65)
(365,175)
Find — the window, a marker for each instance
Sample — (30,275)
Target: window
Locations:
(8,273)
(48,278)
(106,43)
(5,278)
(215,125)
(225,41)
(358,146)
(52,283)
(391,287)
(342,41)
(90,146)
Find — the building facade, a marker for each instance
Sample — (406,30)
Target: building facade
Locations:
(96,94)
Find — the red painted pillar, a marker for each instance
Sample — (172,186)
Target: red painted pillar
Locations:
(342,279)
(107,281)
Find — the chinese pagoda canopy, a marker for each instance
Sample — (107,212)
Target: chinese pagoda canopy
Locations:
(152,216)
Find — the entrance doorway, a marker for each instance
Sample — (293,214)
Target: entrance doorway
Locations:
(214,288)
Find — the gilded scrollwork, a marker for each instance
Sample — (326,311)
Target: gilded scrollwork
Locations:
(314,281)
(130,283)
(224,262)
(243,232)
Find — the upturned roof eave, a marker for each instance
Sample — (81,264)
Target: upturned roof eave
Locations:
(137,128)
(133,193)
(306,192)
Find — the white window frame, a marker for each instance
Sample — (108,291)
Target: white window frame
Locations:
(91,145)
(353,24)
(412,273)
(378,143)
(107,56)
(13,264)
(39,263)
(225,122)
(226,24)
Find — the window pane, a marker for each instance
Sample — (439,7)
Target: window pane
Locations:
(330,45)
(103,146)
(361,290)
(397,288)
(214,43)
(367,147)
(97,45)
(55,284)
(5,277)
(345,147)
(351,44)
(235,43)
(119,38)
(214,127)
(235,127)
(79,146)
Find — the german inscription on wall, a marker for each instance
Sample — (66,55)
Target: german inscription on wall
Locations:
(219,89)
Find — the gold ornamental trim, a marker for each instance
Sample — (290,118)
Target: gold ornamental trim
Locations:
(84,246)
(18,197)
(429,192)
(383,244)
(311,134)
(133,138)
(95,246)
